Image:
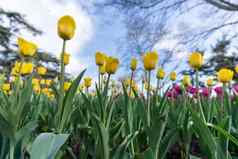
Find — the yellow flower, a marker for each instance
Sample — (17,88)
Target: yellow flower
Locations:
(127,82)
(36,88)
(87,82)
(48,82)
(6,87)
(225,75)
(209,82)
(236,68)
(173,76)
(26,68)
(66,58)
(160,73)
(102,69)
(35,81)
(150,60)
(67,85)
(133,64)
(41,70)
(196,60)
(42,81)
(186,80)
(111,65)
(66,27)
(26,48)
(100,58)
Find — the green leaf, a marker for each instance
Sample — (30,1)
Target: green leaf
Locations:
(46,145)
(68,102)
(103,138)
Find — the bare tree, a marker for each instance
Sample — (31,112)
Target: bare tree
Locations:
(191,22)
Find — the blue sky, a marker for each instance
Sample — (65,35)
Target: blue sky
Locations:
(95,32)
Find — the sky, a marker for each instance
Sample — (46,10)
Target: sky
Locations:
(95,32)
(92,34)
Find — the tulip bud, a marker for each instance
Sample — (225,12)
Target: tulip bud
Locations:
(66,27)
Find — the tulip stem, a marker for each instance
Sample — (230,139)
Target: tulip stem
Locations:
(62,70)
(99,80)
(198,95)
(131,83)
(148,99)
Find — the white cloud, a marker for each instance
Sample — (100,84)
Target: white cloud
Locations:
(44,15)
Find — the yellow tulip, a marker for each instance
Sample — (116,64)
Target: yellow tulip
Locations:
(26,68)
(102,69)
(16,68)
(100,58)
(35,81)
(150,60)
(66,27)
(67,85)
(173,76)
(36,88)
(111,65)
(236,68)
(133,64)
(48,82)
(6,87)
(209,82)
(42,81)
(66,58)
(87,82)
(186,80)
(196,60)
(225,75)
(41,70)
(26,48)
(160,73)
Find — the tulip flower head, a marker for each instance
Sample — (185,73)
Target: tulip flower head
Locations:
(133,64)
(16,68)
(87,82)
(48,82)
(111,65)
(100,58)
(66,27)
(225,75)
(67,86)
(205,92)
(41,70)
(6,87)
(219,91)
(150,60)
(173,76)
(36,88)
(35,81)
(186,80)
(26,48)
(26,68)
(196,60)
(160,73)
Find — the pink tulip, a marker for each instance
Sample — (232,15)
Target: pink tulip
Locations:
(205,92)
(219,91)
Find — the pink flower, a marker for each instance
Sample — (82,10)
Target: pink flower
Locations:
(235,88)
(177,89)
(205,92)
(192,90)
(174,92)
(219,91)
